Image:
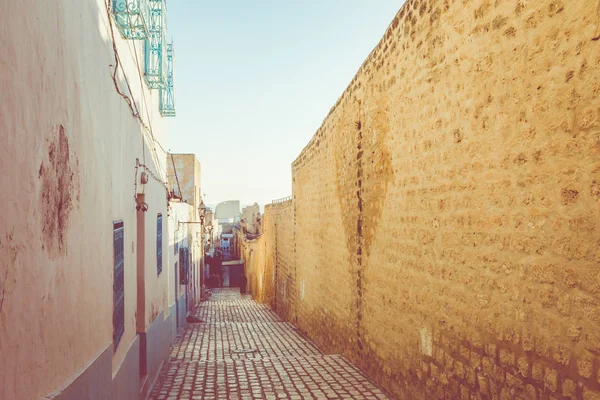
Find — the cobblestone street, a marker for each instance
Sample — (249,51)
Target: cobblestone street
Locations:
(242,350)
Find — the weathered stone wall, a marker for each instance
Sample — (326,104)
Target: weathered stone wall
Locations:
(446,212)
(253,252)
(280,236)
(270,262)
(250,219)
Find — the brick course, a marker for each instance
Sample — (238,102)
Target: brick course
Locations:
(445,215)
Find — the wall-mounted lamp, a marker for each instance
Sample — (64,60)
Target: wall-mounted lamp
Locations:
(202,210)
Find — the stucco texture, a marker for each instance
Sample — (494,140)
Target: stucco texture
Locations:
(68,153)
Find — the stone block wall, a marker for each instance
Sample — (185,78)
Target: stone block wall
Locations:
(270,262)
(445,217)
(280,237)
(447,211)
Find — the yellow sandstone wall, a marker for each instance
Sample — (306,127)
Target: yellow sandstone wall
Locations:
(270,263)
(253,253)
(280,242)
(446,213)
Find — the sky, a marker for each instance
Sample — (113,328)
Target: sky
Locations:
(254,80)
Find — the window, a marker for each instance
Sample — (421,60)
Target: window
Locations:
(159,244)
(118,284)
(184,265)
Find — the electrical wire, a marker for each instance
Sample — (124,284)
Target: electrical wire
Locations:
(145,103)
(176,177)
(149,171)
(131,103)
(146,128)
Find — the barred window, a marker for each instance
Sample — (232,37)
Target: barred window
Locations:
(184,265)
(159,244)
(118,284)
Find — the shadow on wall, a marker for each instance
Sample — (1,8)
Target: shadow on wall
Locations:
(456,254)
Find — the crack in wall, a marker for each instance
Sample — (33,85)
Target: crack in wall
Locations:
(8,251)
(3,288)
(359,233)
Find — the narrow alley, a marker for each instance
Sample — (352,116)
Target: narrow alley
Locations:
(408,191)
(243,350)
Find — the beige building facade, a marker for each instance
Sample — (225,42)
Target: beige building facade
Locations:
(187,261)
(184,177)
(188,226)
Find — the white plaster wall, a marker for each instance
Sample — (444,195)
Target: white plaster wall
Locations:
(189,234)
(180,212)
(56,299)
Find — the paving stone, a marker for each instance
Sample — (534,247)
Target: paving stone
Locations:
(244,351)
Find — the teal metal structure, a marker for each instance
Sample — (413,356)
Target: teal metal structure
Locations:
(155,60)
(167,94)
(132,18)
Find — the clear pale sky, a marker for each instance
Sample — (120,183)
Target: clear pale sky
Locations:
(254,80)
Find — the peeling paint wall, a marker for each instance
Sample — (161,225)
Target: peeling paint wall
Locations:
(68,153)
(446,213)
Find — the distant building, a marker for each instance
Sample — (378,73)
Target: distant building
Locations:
(213,228)
(251,219)
(228,211)
(183,172)
(226,240)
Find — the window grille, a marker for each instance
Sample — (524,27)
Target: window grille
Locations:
(167,94)
(132,17)
(155,62)
(159,226)
(184,265)
(118,283)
